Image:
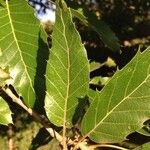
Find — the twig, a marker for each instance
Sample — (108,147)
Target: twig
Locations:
(84,146)
(108,146)
(17,100)
(51,131)
(11,145)
(10,134)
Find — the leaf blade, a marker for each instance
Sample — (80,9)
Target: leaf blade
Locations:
(121,107)
(64,84)
(5,113)
(19,40)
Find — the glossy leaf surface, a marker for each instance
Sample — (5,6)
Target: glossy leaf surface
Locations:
(67,70)
(5,113)
(123,105)
(19,41)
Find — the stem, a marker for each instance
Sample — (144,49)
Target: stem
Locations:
(10,134)
(11,144)
(83,145)
(108,146)
(51,131)
(17,100)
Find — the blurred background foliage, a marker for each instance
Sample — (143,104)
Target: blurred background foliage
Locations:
(130,21)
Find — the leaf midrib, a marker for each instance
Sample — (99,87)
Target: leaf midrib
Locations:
(68,77)
(16,41)
(116,107)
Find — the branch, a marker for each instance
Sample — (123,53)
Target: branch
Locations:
(17,100)
(84,146)
(52,132)
(108,146)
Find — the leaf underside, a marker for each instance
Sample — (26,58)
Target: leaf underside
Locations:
(67,70)
(19,40)
(123,105)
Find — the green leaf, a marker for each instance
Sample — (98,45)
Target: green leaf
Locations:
(99,26)
(5,113)
(99,80)
(19,41)
(143,147)
(95,65)
(145,130)
(2,3)
(78,13)
(67,73)
(4,76)
(123,105)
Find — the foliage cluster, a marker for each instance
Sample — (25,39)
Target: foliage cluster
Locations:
(56,80)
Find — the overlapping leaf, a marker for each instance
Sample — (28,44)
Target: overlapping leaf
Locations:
(145,146)
(123,105)
(99,26)
(19,40)
(5,113)
(67,70)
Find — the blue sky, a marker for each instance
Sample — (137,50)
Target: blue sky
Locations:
(44,10)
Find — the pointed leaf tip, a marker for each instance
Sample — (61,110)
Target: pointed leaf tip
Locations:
(67,73)
(19,44)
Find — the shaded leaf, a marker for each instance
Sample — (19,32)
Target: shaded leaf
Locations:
(67,70)
(5,113)
(78,13)
(83,104)
(2,3)
(143,147)
(99,26)
(41,138)
(19,35)
(123,105)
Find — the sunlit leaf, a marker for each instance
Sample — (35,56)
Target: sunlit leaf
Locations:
(5,113)
(95,65)
(99,80)
(4,76)
(123,105)
(146,129)
(19,44)
(67,70)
